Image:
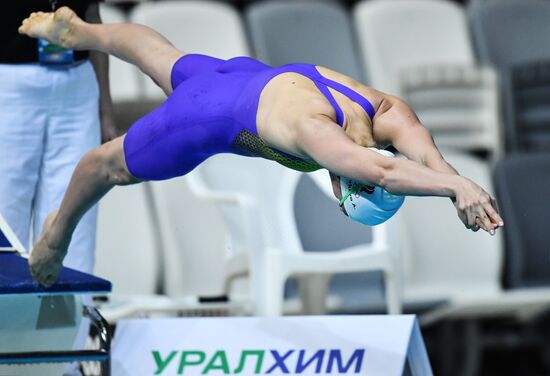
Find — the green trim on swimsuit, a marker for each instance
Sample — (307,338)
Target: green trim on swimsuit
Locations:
(251,144)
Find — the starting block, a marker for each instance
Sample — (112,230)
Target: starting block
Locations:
(39,324)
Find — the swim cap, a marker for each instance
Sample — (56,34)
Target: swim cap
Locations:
(370,205)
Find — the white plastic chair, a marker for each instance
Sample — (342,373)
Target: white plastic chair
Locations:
(129,252)
(123,77)
(206,27)
(442,261)
(273,243)
(421,50)
(459,104)
(399,34)
(193,237)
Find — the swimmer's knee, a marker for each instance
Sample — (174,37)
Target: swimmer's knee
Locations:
(111,163)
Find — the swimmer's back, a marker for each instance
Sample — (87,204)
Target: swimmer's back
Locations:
(214,109)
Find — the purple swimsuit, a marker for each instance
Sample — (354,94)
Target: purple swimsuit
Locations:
(213,110)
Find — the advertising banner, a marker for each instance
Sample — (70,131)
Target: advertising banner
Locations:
(372,345)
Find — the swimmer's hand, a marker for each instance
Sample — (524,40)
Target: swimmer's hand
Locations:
(475,207)
(45,262)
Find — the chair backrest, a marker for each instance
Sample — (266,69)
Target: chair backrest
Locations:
(421,51)
(193,240)
(206,27)
(441,258)
(284,32)
(321,225)
(123,77)
(458,104)
(297,211)
(128,246)
(262,180)
(512,35)
(399,34)
(511,32)
(523,183)
(529,128)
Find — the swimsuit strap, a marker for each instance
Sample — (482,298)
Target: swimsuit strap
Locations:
(326,92)
(350,93)
(323,83)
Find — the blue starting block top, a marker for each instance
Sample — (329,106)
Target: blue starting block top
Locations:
(4,242)
(15,278)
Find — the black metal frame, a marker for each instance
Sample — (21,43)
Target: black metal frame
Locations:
(102,355)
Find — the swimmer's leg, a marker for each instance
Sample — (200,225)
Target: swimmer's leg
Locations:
(96,173)
(136,44)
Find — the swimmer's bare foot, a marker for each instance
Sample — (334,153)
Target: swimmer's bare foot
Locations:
(61,27)
(46,261)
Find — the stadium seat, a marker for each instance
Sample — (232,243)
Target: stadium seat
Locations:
(522,183)
(529,107)
(274,247)
(207,27)
(123,77)
(129,252)
(126,230)
(421,50)
(469,267)
(313,32)
(193,238)
(511,35)
(510,32)
(442,260)
(400,34)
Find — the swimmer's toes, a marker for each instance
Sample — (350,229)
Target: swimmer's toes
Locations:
(29,25)
(23,27)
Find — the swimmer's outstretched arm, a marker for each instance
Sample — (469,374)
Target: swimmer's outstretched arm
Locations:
(329,146)
(136,44)
(96,173)
(397,124)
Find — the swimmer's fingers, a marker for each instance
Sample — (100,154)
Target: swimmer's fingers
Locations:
(471,218)
(467,214)
(462,216)
(495,207)
(494,217)
(485,223)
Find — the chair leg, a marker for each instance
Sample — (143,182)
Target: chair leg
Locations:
(269,294)
(314,292)
(393,293)
(473,348)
